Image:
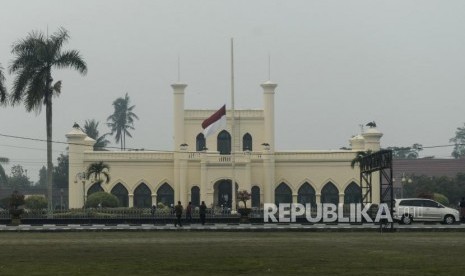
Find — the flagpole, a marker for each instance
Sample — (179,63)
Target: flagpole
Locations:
(233,138)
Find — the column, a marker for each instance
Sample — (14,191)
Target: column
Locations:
(178,123)
(183,178)
(268,109)
(131,200)
(203,179)
(77,146)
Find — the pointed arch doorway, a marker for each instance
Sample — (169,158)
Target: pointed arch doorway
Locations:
(223,193)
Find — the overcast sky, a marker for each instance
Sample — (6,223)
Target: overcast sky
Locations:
(337,64)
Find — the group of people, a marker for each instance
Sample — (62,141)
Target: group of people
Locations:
(179,209)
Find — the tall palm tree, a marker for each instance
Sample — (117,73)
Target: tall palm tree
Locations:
(91,129)
(35,56)
(96,170)
(122,120)
(3,178)
(3,94)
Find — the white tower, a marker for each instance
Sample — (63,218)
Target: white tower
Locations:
(180,180)
(78,144)
(268,163)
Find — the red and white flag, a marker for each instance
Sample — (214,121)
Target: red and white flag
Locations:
(215,122)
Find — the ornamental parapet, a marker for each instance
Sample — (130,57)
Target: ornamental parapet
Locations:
(128,156)
(215,157)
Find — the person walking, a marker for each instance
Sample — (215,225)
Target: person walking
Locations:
(189,212)
(462,209)
(153,210)
(202,212)
(178,211)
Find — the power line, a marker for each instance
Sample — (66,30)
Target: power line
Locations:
(137,149)
(68,143)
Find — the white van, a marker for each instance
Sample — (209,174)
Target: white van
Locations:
(407,210)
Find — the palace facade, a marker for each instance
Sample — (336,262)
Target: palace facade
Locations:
(200,169)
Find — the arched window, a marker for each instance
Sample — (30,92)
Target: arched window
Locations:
(165,195)
(142,196)
(200,142)
(306,194)
(352,194)
(282,194)
(224,142)
(247,142)
(94,188)
(122,194)
(195,196)
(330,194)
(256,196)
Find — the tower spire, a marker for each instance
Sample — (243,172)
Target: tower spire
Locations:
(269,66)
(179,69)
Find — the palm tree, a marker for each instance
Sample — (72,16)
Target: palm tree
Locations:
(3,94)
(35,56)
(122,120)
(96,170)
(3,178)
(359,157)
(91,129)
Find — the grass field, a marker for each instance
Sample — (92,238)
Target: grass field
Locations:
(231,253)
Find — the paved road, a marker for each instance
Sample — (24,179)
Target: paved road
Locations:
(232,227)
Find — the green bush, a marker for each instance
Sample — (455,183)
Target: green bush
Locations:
(105,199)
(36,202)
(441,199)
(5,202)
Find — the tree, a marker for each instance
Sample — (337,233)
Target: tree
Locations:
(243,196)
(35,56)
(122,120)
(3,94)
(406,152)
(101,199)
(459,141)
(3,100)
(18,179)
(61,172)
(36,202)
(3,177)
(42,178)
(427,186)
(96,170)
(91,129)
(16,200)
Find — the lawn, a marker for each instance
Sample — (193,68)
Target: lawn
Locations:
(231,253)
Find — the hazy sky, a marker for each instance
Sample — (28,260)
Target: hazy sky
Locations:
(337,64)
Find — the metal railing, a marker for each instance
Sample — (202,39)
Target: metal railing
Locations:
(125,213)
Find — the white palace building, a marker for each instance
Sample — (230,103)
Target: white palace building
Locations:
(200,169)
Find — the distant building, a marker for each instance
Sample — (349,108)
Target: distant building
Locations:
(405,169)
(200,169)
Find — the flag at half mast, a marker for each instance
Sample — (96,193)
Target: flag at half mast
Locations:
(215,122)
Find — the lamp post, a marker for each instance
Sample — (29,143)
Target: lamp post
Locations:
(61,199)
(404,181)
(82,176)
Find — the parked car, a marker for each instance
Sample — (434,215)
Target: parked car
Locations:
(407,210)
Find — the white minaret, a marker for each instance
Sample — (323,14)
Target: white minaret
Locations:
(372,138)
(357,143)
(268,109)
(268,162)
(178,114)
(78,143)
